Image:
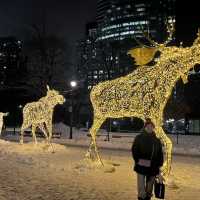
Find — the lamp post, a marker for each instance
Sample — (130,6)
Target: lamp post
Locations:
(16,112)
(73,84)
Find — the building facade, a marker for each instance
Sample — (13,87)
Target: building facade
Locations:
(130,18)
(12,73)
(102,7)
(10,59)
(120,24)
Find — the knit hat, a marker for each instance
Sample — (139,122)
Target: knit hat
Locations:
(148,121)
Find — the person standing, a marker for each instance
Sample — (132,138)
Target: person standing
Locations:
(148,156)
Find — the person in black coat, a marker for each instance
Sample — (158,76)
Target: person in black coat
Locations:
(148,156)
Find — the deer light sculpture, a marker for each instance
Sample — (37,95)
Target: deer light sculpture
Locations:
(39,114)
(2,115)
(144,92)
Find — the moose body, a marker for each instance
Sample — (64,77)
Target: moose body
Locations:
(144,93)
(140,91)
(40,114)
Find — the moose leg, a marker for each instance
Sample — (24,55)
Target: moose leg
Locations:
(1,125)
(93,145)
(22,136)
(165,171)
(33,133)
(168,153)
(24,126)
(49,128)
(43,129)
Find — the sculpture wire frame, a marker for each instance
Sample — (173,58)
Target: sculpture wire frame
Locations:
(143,94)
(40,114)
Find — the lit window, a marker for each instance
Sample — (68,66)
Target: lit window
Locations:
(153,17)
(128,32)
(140,9)
(125,24)
(140,5)
(13,55)
(110,27)
(142,13)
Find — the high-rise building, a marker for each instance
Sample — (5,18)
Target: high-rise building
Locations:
(86,54)
(10,50)
(101,60)
(102,7)
(120,25)
(91,30)
(13,90)
(130,18)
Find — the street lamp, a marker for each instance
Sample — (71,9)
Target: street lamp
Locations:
(73,85)
(15,115)
(20,106)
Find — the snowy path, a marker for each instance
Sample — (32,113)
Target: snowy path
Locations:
(29,173)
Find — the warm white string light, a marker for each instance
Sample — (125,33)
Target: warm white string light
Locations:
(144,92)
(39,114)
(2,115)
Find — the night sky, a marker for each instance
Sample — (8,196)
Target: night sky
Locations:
(188,20)
(66,18)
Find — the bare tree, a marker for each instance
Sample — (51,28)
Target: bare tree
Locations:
(48,60)
(177,106)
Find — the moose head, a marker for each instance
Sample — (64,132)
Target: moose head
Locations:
(54,97)
(176,60)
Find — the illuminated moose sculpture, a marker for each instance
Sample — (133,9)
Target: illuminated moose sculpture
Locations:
(39,114)
(144,92)
(2,115)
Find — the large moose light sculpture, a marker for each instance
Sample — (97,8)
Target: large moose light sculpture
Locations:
(144,92)
(40,113)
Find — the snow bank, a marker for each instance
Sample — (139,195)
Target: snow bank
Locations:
(187,144)
(30,147)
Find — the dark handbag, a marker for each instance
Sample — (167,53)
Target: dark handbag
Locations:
(159,190)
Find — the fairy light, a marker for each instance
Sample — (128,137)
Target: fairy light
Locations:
(2,115)
(144,92)
(40,114)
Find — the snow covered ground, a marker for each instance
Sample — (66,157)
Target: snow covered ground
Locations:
(187,144)
(29,172)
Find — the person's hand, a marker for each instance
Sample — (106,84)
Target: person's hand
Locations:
(160,178)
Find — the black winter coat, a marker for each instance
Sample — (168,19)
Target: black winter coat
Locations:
(147,146)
